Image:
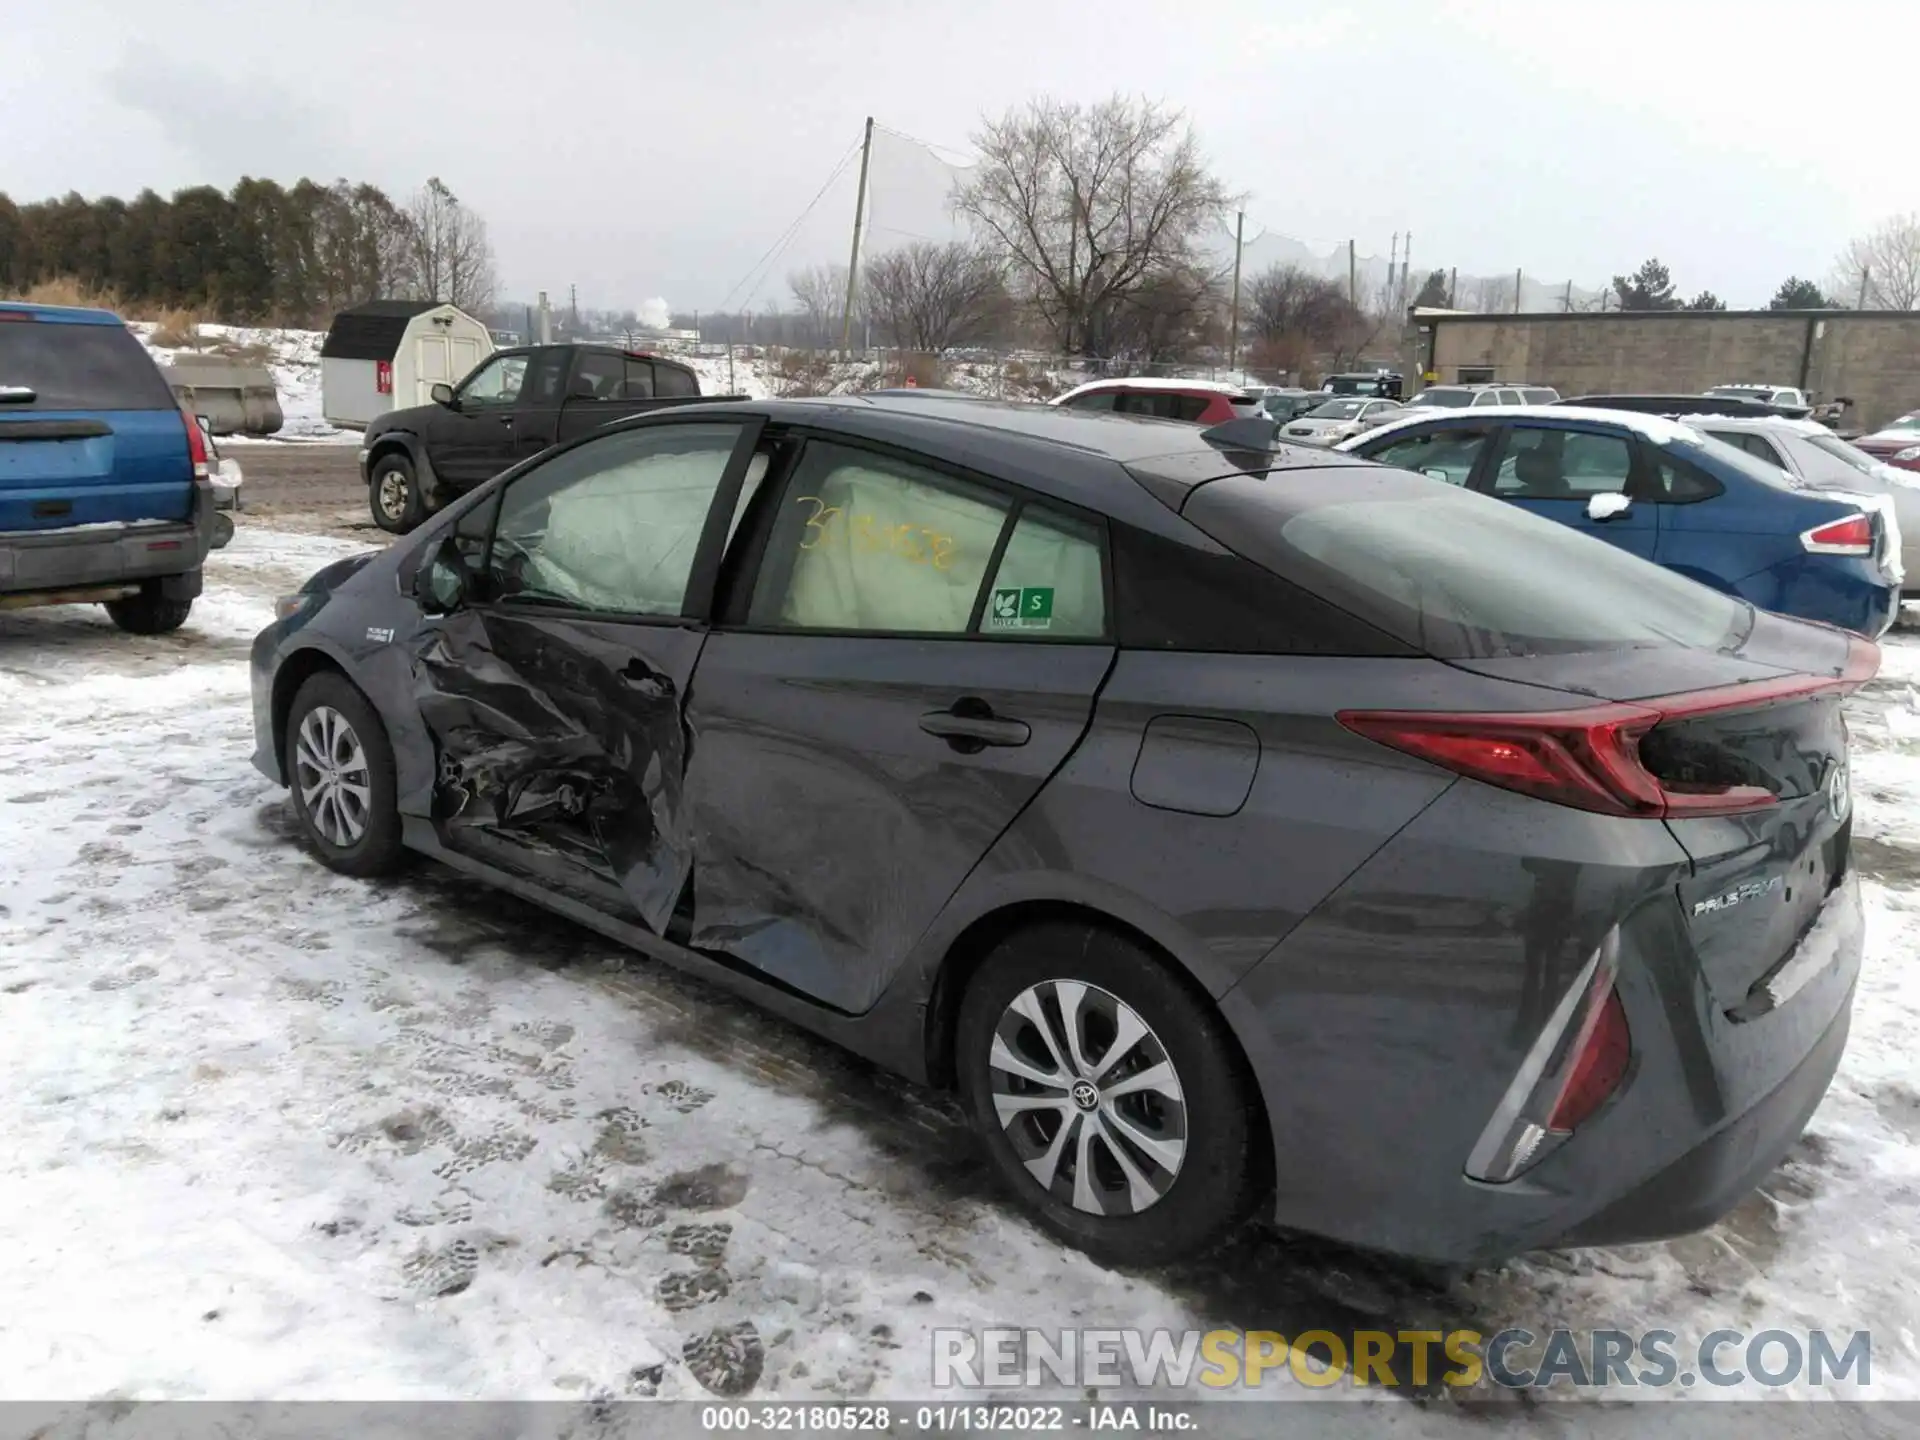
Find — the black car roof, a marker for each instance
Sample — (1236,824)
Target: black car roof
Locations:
(1070,455)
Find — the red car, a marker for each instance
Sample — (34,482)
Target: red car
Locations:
(1201,402)
(1897,442)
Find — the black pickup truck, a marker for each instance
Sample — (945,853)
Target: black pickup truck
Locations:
(513,405)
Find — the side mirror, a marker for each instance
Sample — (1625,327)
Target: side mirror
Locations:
(440,584)
(1434,474)
(1602,508)
(442,394)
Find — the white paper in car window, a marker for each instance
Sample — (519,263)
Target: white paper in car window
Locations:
(880,551)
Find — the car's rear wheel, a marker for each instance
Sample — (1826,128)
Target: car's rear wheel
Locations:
(149,612)
(393,494)
(1110,1095)
(339,766)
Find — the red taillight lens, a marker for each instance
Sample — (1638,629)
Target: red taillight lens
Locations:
(1851,536)
(1600,1056)
(196,446)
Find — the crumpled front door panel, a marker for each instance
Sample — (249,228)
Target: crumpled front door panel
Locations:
(561,749)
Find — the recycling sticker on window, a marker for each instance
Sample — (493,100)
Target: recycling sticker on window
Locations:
(1028,608)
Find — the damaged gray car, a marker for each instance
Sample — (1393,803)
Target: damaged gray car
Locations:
(1210,813)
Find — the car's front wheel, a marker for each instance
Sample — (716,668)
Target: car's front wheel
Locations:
(1110,1094)
(393,494)
(339,766)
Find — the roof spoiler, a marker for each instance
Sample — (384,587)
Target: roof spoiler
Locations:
(1249,432)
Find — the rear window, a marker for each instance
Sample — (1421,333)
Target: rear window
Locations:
(1415,563)
(671,382)
(80,367)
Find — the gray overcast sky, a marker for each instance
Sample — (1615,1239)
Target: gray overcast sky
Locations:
(654,149)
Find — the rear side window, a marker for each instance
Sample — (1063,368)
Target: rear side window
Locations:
(1414,562)
(639,381)
(1540,395)
(674,383)
(1049,583)
(1092,400)
(80,367)
(1549,464)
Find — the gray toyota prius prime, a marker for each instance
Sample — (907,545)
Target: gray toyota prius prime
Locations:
(1235,827)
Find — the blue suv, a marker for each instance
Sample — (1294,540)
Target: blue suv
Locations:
(1671,495)
(104,490)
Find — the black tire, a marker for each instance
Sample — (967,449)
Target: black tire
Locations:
(376,850)
(393,494)
(149,612)
(1215,1183)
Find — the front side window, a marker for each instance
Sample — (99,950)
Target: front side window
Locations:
(1448,455)
(867,542)
(612,525)
(497,382)
(1542,464)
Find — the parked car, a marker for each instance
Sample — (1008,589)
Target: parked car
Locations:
(1784,397)
(1820,460)
(1461,397)
(1285,405)
(104,489)
(514,404)
(223,473)
(1897,443)
(1669,494)
(1198,402)
(1388,384)
(1110,774)
(1339,419)
(1680,406)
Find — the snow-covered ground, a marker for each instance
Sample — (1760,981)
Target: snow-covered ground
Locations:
(275,1133)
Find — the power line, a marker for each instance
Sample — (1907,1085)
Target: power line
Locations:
(786,237)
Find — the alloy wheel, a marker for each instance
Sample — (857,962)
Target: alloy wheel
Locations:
(1088,1098)
(330,768)
(393,495)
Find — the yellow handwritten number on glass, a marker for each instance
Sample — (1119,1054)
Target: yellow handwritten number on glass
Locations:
(819,524)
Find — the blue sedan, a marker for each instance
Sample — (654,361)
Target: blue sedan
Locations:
(1672,495)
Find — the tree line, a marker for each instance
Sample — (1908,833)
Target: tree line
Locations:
(261,253)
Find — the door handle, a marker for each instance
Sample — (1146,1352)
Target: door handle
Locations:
(970,725)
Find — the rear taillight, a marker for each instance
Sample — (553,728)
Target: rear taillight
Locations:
(196,446)
(1589,758)
(1851,536)
(1577,1061)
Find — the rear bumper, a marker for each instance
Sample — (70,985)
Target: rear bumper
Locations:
(81,558)
(1713,1177)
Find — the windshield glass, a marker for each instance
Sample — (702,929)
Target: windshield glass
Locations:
(1906,422)
(1451,399)
(1336,410)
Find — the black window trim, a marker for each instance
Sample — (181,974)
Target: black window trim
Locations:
(746,577)
(697,605)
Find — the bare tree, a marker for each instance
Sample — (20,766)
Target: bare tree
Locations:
(820,293)
(926,296)
(1172,314)
(1086,204)
(449,256)
(1286,300)
(1881,269)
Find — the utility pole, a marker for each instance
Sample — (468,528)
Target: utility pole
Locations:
(1233,323)
(1453,285)
(859,219)
(1403,297)
(573,310)
(1866,274)
(1566,305)
(1353,277)
(1516,292)
(1393,263)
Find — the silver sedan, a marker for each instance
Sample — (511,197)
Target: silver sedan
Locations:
(1341,419)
